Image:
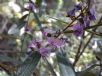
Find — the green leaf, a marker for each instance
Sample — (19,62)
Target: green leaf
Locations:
(15,29)
(29,65)
(66,68)
(24,17)
(37,20)
(25,42)
(21,24)
(38,2)
(86,73)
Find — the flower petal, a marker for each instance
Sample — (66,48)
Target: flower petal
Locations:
(71,13)
(55,42)
(78,29)
(92,13)
(44,52)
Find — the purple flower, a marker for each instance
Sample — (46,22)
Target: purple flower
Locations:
(86,22)
(35,44)
(44,51)
(55,42)
(71,13)
(46,34)
(28,29)
(78,29)
(31,6)
(92,13)
(78,7)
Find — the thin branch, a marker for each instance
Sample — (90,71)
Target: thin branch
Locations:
(95,33)
(86,44)
(77,54)
(92,66)
(73,20)
(86,29)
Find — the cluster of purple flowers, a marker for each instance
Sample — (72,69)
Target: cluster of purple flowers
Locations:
(87,14)
(39,45)
(44,47)
(83,20)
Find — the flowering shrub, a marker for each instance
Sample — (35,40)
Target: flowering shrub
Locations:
(42,45)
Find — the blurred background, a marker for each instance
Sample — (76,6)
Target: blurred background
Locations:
(52,14)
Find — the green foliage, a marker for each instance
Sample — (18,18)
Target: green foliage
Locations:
(29,65)
(66,68)
(38,2)
(50,16)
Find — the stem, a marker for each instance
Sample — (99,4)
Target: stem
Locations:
(86,29)
(77,54)
(95,33)
(70,24)
(90,27)
(86,43)
(73,21)
(92,66)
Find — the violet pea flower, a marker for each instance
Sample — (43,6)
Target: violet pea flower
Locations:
(43,50)
(92,13)
(71,13)
(78,29)
(55,42)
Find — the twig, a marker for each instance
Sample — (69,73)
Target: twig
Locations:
(95,33)
(70,24)
(77,54)
(86,29)
(78,57)
(92,66)
(86,44)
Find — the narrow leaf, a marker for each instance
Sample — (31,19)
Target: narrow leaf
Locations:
(37,20)
(66,68)
(86,73)
(29,65)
